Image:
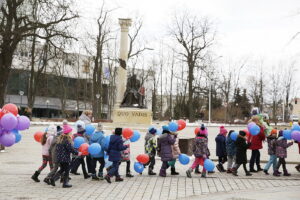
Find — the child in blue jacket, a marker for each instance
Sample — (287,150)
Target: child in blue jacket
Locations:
(98,137)
(114,152)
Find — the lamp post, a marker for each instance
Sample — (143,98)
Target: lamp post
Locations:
(97,96)
(21,93)
(76,111)
(47,103)
(209,103)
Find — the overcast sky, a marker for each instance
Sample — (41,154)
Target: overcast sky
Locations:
(260,29)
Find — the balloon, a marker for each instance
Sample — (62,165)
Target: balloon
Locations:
(209,165)
(184,159)
(84,149)
(138,167)
(136,136)
(23,123)
(295,127)
(127,133)
(38,136)
(234,136)
(78,141)
(254,130)
(106,142)
(79,122)
(197,130)
(18,136)
(159,131)
(9,122)
(296,135)
(94,149)
(89,129)
(7,139)
(287,134)
(173,126)
(9,108)
(143,158)
(250,125)
(107,163)
(181,124)
(247,133)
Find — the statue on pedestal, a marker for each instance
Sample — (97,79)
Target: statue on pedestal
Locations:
(134,94)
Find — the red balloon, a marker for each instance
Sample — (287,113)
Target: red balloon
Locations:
(181,124)
(9,108)
(38,136)
(84,149)
(143,158)
(127,133)
(247,133)
(197,130)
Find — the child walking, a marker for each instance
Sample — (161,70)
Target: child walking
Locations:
(150,149)
(241,153)
(175,152)
(114,152)
(165,143)
(221,148)
(281,153)
(231,151)
(64,149)
(271,139)
(98,137)
(200,150)
(46,142)
(125,157)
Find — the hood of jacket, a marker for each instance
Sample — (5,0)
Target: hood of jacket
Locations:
(149,136)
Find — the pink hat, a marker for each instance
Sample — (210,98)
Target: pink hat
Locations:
(67,129)
(223,130)
(203,130)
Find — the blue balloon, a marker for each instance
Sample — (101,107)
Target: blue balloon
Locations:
(18,136)
(159,131)
(209,165)
(254,130)
(78,141)
(136,136)
(295,127)
(234,136)
(106,142)
(184,159)
(138,167)
(287,134)
(94,149)
(173,126)
(89,129)
(107,163)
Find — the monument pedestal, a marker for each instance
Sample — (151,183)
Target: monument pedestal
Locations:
(132,116)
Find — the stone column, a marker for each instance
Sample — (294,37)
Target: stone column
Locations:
(121,78)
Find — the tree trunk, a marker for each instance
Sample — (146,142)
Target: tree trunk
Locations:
(190,82)
(5,67)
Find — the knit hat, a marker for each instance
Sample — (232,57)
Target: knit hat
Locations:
(65,122)
(223,130)
(152,130)
(165,128)
(273,132)
(99,127)
(59,130)
(67,129)
(51,130)
(80,129)
(242,133)
(118,131)
(203,130)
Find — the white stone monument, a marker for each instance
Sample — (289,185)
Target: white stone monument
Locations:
(126,115)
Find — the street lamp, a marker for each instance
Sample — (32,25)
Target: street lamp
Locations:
(209,102)
(76,111)
(97,96)
(21,93)
(47,103)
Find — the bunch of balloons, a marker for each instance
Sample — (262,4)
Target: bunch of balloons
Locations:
(293,134)
(10,125)
(142,160)
(177,126)
(253,128)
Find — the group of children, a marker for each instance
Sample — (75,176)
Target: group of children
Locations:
(57,149)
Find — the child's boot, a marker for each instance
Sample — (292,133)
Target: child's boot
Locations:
(259,168)
(173,171)
(197,171)
(150,172)
(229,171)
(266,172)
(219,167)
(162,173)
(203,174)
(100,175)
(35,176)
(107,178)
(298,168)
(285,173)
(94,177)
(47,180)
(234,172)
(189,173)
(276,173)
(129,175)
(248,173)
(222,168)
(119,179)
(66,182)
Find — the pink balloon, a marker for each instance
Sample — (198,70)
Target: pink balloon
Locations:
(7,139)
(9,122)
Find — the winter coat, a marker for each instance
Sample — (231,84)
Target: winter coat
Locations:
(46,146)
(63,152)
(165,143)
(125,155)
(221,145)
(230,146)
(98,137)
(52,149)
(281,146)
(241,150)
(83,117)
(271,145)
(150,144)
(175,148)
(115,147)
(256,140)
(200,148)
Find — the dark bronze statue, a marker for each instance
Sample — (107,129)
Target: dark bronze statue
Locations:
(133,96)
